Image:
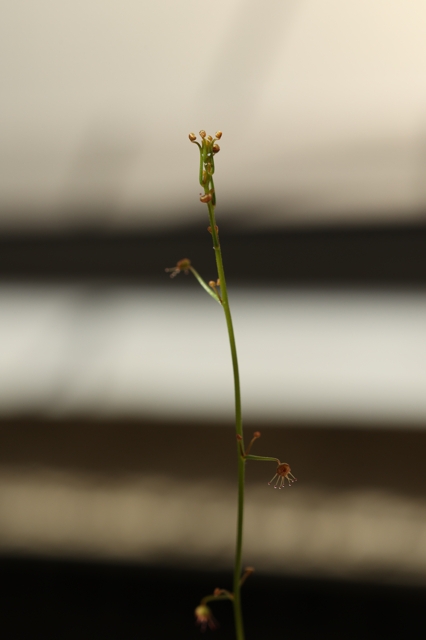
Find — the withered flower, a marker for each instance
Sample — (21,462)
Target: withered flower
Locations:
(283,473)
(182,265)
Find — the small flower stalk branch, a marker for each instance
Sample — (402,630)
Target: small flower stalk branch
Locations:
(245,453)
(247,573)
(208,148)
(203,614)
(215,285)
(186,266)
(283,471)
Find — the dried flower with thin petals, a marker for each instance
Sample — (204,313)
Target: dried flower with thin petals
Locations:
(283,473)
(182,265)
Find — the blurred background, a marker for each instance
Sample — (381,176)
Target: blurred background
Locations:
(117,449)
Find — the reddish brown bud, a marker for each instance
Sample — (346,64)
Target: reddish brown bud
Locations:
(206,198)
(256,434)
(203,133)
(216,148)
(239,438)
(218,135)
(192,137)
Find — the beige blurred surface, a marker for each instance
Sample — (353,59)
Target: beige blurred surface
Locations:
(164,494)
(322,103)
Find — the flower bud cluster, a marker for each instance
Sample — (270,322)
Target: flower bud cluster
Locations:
(208,149)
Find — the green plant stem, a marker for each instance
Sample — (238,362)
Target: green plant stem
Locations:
(203,284)
(262,458)
(239,628)
(214,598)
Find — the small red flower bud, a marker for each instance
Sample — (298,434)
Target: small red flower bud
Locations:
(216,148)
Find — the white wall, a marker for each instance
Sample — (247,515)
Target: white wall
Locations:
(322,104)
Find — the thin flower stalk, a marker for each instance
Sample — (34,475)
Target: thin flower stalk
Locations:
(208,150)
(217,289)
